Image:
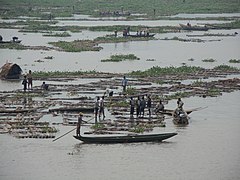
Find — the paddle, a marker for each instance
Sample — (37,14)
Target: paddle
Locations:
(69,131)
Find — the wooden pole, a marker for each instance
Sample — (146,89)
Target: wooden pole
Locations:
(69,131)
(64,134)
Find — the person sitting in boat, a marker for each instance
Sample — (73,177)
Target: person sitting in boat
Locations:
(44,86)
(159,107)
(147,31)
(124,32)
(188,24)
(79,123)
(1,38)
(14,38)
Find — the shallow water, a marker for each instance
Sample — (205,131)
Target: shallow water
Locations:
(206,149)
(150,23)
(206,15)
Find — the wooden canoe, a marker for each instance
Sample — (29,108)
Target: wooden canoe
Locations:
(170,112)
(125,138)
(193,28)
(138,35)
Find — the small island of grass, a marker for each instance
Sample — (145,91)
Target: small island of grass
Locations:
(118,58)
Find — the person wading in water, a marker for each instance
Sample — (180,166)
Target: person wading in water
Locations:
(79,123)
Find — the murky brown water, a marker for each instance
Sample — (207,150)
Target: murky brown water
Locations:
(206,149)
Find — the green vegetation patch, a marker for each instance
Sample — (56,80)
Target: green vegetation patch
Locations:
(91,45)
(77,45)
(97,126)
(42,74)
(158,71)
(234,61)
(225,68)
(12,45)
(178,95)
(208,60)
(213,92)
(64,34)
(118,58)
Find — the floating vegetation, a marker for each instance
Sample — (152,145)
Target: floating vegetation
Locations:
(77,45)
(141,128)
(197,83)
(156,71)
(39,61)
(42,74)
(234,61)
(48,57)
(131,90)
(213,92)
(119,103)
(183,40)
(97,126)
(113,39)
(17,46)
(64,34)
(225,68)
(208,60)
(191,59)
(178,95)
(151,60)
(118,58)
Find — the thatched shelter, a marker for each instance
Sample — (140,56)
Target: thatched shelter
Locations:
(10,71)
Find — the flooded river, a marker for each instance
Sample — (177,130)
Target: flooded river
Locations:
(161,52)
(208,148)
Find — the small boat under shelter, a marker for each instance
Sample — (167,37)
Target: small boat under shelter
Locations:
(10,71)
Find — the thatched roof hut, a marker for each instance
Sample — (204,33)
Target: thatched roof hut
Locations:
(10,71)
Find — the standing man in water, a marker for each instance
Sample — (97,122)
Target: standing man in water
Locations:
(101,108)
(24,83)
(29,78)
(132,106)
(149,105)
(96,108)
(79,123)
(124,83)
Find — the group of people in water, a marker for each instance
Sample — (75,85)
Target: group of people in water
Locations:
(28,82)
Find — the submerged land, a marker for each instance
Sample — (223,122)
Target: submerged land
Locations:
(165,83)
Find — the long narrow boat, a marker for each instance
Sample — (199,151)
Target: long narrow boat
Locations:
(125,138)
(138,35)
(193,28)
(171,111)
